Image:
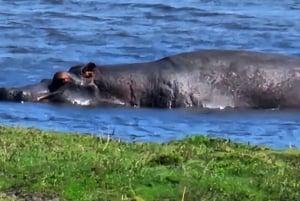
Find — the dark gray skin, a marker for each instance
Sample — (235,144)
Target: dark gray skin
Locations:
(204,79)
(26,93)
(54,90)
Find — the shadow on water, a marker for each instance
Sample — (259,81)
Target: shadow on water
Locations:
(42,37)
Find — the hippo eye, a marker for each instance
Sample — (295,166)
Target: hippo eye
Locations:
(61,78)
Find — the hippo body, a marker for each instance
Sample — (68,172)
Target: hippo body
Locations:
(208,79)
(204,79)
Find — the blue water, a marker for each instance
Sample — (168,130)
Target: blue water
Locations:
(41,37)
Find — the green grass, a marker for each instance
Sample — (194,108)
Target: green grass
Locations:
(84,167)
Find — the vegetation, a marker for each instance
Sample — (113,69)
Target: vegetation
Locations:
(39,165)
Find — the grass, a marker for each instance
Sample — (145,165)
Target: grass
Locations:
(39,165)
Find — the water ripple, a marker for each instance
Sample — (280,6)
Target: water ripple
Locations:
(41,37)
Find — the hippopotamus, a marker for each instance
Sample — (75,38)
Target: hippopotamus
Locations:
(203,79)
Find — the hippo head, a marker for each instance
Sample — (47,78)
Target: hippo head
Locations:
(73,87)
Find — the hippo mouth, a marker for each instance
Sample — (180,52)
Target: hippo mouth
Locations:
(57,89)
(63,85)
(25,93)
(75,87)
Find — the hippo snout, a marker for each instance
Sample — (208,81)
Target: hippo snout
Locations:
(3,92)
(16,95)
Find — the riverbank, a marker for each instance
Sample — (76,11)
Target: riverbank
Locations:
(35,165)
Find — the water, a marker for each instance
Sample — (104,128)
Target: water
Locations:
(39,38)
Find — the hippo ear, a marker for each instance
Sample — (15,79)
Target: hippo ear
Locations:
(88,70)
(90,66)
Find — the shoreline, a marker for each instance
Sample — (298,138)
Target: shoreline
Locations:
(47,165)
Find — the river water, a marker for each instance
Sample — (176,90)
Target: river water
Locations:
(41,37)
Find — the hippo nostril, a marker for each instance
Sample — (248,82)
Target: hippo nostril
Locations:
(13,95)
(22,96)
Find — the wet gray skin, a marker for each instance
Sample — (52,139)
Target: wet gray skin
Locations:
(78,91)
(204,79)
(26,93)
(48,90)
(82,95)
